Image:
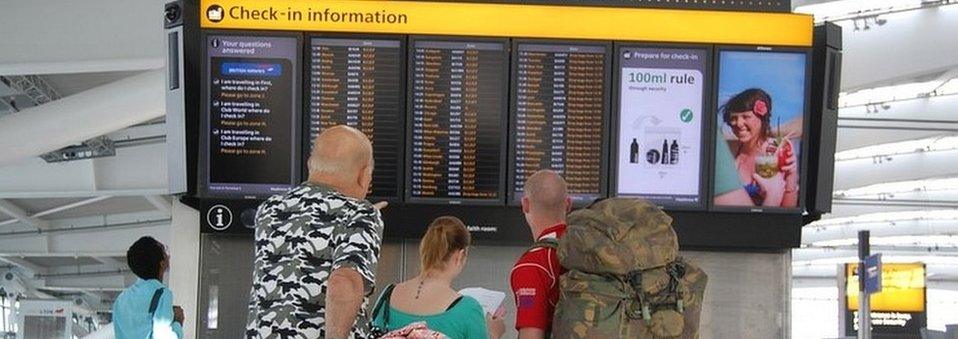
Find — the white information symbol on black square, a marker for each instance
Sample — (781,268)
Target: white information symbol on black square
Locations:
(219,217)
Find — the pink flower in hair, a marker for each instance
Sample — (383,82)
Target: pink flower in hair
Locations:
(760,108)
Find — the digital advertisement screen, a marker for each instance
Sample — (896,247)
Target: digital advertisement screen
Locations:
(457,121)
(760,129)
(661,97)
(358,82)
(252,115)
(559,116)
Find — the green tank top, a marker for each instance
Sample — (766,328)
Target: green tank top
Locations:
(464,320)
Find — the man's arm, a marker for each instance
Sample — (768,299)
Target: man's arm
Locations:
(531,333)
(344,297)
(355,257)
(530,286)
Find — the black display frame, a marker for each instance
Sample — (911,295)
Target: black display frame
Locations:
(203,157)
(604,158)
(402,102)
(706,155)
(803,161)
(504,122)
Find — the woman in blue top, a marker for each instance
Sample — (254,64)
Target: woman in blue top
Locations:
(429,297)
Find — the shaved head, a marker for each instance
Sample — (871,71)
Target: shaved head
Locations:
(342,157)
(546,193)
(340,150)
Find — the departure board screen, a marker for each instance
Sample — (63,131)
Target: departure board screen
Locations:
(252,115)
(457,121)
(559,116)
(358,82)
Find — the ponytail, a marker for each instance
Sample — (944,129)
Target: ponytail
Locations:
(445,236)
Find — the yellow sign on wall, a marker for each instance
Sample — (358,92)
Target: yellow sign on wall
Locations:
(902,288)
(511,20)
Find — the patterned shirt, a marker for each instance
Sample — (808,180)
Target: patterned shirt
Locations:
(301,237)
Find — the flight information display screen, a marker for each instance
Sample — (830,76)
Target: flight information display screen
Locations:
(358,82)
(559,116)
(661,98)
(252,115)
(457,121)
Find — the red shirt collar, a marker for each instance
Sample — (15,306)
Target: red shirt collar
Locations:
(555,231)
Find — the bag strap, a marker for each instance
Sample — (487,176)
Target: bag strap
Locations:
(384,299)
(454,302)
(154,304)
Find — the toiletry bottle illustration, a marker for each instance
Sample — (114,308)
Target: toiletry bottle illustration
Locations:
(652,156)
(674,152)
(634,152)
(665,152)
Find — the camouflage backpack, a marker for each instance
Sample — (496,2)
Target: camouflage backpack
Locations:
(625,278)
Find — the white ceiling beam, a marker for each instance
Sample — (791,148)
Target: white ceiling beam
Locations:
(111,262)
(88,66)
(98,290)
(872,57)
(160,203)
(905,167)
(930,250)
(83,194)
(23,263)
(842,209)
(62,208)
(809,255)
(89,254)
(121,231)
(91,113)
(815,233)
(15,211)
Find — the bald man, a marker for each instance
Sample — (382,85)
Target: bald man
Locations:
(317,247)
(535,277)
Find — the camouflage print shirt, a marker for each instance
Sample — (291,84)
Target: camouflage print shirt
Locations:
(301,237)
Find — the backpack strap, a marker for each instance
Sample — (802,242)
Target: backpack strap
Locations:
(552,243)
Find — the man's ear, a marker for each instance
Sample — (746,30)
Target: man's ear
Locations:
(525,205)
(568,204)
(365,175)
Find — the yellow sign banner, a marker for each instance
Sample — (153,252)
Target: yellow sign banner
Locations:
(510,20)
(902,288)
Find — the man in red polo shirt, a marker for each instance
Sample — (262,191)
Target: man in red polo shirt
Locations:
(535,277)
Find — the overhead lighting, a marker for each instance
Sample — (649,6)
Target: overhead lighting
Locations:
(879,190)
(848,9)
(885,151)
(94,148)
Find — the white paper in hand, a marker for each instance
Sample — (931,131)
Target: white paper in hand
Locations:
(490,300)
